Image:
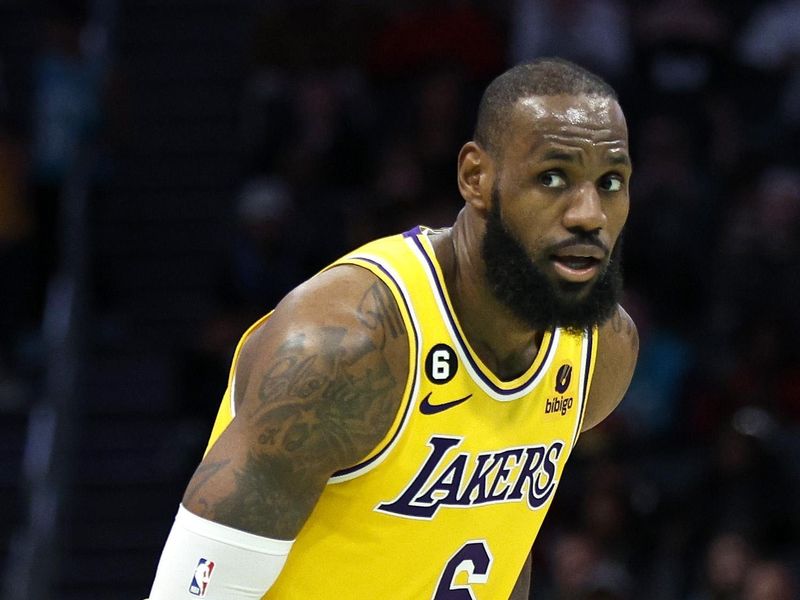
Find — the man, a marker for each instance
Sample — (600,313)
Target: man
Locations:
(397,426)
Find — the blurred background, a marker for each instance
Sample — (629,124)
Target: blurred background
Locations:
(169,169)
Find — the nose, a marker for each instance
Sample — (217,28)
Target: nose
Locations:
(585,210)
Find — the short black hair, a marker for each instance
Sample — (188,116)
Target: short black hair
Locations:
(542,77)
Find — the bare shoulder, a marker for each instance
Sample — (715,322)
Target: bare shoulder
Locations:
(617,351)
(317,387)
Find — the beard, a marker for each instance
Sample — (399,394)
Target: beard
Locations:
(541,301)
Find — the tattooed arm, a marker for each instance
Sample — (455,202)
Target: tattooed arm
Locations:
(317,388)
(617,351)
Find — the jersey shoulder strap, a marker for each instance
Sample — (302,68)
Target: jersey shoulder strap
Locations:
(391,261)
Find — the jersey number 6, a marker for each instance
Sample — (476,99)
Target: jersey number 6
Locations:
(475,559)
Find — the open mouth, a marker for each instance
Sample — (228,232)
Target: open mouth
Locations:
(578,263)
(576,268)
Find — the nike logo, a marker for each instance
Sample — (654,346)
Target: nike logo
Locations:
(426,408)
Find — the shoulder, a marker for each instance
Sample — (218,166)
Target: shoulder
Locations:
(317,386)
(617,351)
(336,350)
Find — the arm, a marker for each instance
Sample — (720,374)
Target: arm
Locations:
(317,387)
(617,351)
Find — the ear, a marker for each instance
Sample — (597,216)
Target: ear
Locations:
(475,176)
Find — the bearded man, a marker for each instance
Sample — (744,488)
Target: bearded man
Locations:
(397,426)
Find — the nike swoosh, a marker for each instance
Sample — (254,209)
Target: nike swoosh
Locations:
(426,408)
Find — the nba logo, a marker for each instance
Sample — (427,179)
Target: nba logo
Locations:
(202,575)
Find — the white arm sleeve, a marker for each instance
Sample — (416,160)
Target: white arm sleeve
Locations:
(203,559)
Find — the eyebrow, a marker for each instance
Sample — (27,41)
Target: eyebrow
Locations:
(576,157)
(620,159)
(562,156)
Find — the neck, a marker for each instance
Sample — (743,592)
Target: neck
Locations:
(504,343)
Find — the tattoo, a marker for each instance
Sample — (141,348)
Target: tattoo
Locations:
(633,335)
(259,503)
(343,389)
(378,310)
(322,404)
(204,472)
(292,372)
(618,324)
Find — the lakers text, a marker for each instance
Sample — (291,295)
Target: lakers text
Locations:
(463,480)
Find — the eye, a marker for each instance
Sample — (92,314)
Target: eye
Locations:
(611,183)
(553,179)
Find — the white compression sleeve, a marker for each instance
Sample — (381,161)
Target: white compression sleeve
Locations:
(203,559)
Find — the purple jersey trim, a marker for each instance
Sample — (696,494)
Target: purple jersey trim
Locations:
(462,342)
(587,369)
(406,412)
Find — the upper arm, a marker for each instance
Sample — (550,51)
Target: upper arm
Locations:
(617,351)
(317,386)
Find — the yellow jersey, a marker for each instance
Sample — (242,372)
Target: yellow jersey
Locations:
(448,505)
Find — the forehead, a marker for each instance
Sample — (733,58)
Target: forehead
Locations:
(582,120)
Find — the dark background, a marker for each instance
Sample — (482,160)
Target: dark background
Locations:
(170,169)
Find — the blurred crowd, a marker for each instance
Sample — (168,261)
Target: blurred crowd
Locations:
(41,143)
(350,127)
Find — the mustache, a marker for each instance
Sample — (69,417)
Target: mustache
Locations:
(590,239)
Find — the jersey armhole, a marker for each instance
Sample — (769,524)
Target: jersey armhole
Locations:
(588,360)
(396,286)
(227,408)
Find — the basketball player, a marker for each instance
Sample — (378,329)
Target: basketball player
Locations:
(397,427)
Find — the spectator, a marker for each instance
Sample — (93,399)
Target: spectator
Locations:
(770,580)
(770,43)
(727,561)
(595,33)
(66,113)
(16,270)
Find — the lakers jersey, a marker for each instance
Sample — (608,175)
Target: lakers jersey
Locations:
(447,506)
